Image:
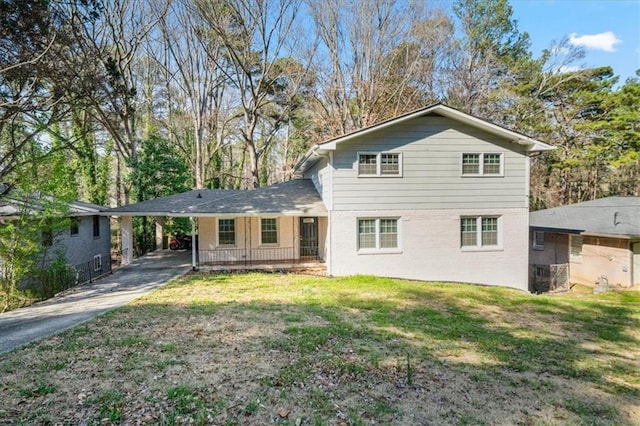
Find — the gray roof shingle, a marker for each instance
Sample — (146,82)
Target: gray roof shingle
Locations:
(618,216)
(295,197)
(12,206)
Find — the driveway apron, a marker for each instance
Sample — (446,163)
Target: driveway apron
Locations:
(80,304)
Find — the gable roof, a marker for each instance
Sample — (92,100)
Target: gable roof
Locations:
(12,206)
(615,216)
(531,144)
(296,197)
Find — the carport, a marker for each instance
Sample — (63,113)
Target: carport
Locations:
(284,223)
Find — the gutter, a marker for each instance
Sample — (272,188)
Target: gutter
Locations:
(306,157)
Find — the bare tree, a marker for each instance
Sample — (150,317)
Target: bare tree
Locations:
(105,60)
(380,58)
(487,55)
(256,36)
(192,59)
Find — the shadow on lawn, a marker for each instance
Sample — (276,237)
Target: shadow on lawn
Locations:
(521,346)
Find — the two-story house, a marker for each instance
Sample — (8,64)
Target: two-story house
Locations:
(435,194)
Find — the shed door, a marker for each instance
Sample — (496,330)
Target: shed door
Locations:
(308,237)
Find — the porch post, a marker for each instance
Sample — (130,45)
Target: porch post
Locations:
(126,235)
(194,245)
(159,220)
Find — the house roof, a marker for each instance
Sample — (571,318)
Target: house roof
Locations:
(12,206)
(531,144)
(615,216)
(293,198)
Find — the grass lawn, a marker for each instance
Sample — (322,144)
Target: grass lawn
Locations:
(292,349)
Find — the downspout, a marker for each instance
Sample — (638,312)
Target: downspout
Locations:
(330,217)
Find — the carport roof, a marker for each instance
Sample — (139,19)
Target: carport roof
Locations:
(293,198)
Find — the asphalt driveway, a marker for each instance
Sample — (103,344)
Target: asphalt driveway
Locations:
(26,325)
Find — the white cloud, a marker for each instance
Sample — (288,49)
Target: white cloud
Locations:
(604,41)
(563,69)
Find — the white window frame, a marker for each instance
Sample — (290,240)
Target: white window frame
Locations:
(378,249)
(97,262)
(538,240)
(277,232)
(379,164)
(235,233)
(479,246)
(481,157)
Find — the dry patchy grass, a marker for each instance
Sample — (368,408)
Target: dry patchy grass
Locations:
(291,349)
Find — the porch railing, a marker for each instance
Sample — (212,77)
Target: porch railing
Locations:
(248,256)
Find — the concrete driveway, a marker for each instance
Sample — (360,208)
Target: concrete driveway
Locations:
(80,304)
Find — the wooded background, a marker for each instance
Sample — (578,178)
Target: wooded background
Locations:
(118,101)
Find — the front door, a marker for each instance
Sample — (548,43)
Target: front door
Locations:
(308,237)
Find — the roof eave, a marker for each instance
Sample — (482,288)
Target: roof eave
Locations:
(531,145)
(558,230)
(313,212)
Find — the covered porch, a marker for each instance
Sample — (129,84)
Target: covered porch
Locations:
(251,240)
(278,227)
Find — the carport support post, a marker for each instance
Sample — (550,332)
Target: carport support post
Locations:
(126,233)
(159,231)
(194,245)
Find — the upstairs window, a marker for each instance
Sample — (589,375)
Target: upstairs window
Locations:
(390,164)
(269,231)
(47,238)
(96,226)
(74,226)
(479,232)
(367,164)
(482,165)
(470,164)
(226,232)
(380,164)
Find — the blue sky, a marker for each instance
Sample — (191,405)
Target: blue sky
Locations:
(609,30)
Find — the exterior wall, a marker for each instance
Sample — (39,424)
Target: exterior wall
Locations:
(430,248)
(248,245)
(432,149)
(320,175)
(80,249)
(323,235)
(208,233)
(611,257)
(549,262)
(555,251)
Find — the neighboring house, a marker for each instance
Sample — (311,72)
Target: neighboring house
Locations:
(598,241)
(435,194)
(85,244)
